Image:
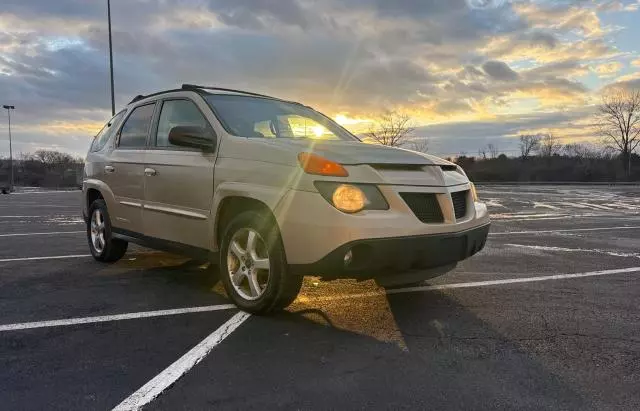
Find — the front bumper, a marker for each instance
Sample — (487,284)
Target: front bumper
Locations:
(372,257)
(311,228)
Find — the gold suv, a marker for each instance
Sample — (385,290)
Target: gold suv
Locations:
(270,191)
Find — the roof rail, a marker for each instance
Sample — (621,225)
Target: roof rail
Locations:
(136,98)
(142,96)
(194,86)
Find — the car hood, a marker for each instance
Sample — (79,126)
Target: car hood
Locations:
(354,152)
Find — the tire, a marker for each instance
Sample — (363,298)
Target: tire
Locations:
(112,249)
(274,288)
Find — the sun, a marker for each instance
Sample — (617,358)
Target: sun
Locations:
(318,130)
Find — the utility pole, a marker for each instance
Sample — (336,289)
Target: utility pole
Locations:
(113,101)
(9,108)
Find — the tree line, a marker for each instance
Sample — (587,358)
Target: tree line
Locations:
(549,160)
(43,168)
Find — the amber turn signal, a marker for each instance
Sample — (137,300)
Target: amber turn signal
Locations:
(315,164)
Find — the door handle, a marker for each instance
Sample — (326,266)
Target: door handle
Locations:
(149,172)
(109,169)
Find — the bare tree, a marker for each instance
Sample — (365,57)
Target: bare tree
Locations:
(528,143)
(482,152)
(619,122)
(584,151)
(549,145)
(493,150)
(55,160)
(419,144)
(394,129)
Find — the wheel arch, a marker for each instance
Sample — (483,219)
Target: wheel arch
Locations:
(93,190)
(232,206)
(93,194)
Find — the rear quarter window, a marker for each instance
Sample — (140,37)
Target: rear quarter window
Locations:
(136,127)
(104,135)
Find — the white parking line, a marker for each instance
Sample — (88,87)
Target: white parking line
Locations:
(46,192)
(47,233)
(53,257)
(569,230)
(115,317)
(23,216)
(514,280)
(14,205)
(171,374)
(476,284)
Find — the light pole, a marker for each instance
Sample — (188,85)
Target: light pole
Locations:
(113,102)
(9,108)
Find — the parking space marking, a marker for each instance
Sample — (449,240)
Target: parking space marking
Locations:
(23,216)
(172,373)
(13,205)
(477,284)
(574,250)
(568,230)
(44,233)
(514,280)
(47,192)
(53,257)
(115,317)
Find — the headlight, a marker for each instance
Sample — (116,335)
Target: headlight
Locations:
(474,193)
(351,198)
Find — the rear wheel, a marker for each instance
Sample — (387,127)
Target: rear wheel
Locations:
(253,266)
(103,246)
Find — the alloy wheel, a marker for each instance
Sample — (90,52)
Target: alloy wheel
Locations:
(248,264)
(97,231)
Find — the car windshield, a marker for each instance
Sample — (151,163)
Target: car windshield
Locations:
(247,116)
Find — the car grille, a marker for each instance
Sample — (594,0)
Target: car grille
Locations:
(425,206)
(460,203)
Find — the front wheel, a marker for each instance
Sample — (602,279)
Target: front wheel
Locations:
(103,246)
(253,266)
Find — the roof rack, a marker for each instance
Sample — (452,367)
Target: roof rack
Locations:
(137,98)
(195,87)
(142,96)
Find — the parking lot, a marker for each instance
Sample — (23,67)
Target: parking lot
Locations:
(546,317)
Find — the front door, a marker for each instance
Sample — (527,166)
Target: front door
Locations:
(124,172)
(178,181)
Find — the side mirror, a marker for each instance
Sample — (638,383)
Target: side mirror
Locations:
(192,136)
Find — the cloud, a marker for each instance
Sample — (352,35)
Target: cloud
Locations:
(608,69)
(503,131)
(499,70)
(582,19)
(440,61)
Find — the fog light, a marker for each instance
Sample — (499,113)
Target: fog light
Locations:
(348,198)
(348,257)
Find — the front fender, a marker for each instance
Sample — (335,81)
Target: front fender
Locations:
(268,195)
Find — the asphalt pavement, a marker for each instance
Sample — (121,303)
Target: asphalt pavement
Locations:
(547,316)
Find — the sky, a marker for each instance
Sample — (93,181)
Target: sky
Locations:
(468,72)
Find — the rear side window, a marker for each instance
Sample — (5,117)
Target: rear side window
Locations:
(136,127)
(107,131)
(177,113)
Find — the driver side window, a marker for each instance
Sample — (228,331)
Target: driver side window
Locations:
(177,113)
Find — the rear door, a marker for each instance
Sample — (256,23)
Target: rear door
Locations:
(124,172)
(178,181)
